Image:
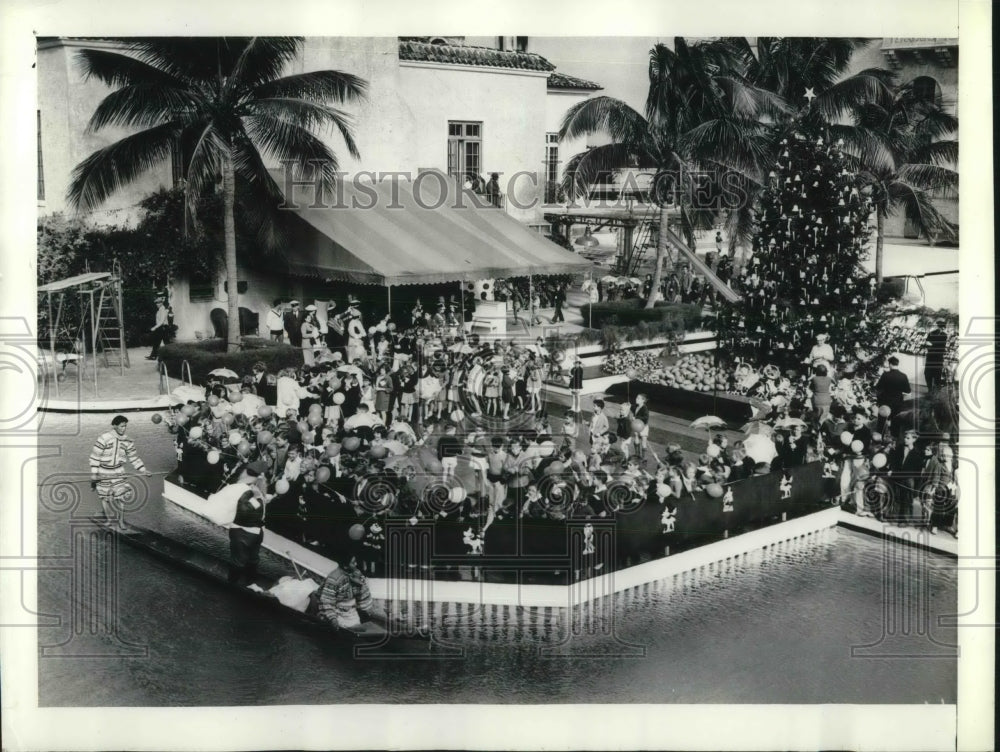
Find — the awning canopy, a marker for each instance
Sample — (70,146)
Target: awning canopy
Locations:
(425,231)
(78,280)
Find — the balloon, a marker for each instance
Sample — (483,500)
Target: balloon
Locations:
(228,419)
(713,451)
(846,437)
(379,452)
(156,418)
(546,448)
(857,446)
(457,415)
(263,411)
(884,411)
(189,410)
(338,398)
(282,486)
(235,437)
(351,444)
(195,432)
(322,474)
(314,420)
(213,400)
(235,396)
(309,437)
(182,419)
(264,438)
(243,447)
(332,450)
(714,490)
(457,495)
(213,457)
(315,407)
(876,437)
(638,425)
(356,532)
(879,461)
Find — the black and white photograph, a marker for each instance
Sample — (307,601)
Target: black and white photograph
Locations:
(612,385)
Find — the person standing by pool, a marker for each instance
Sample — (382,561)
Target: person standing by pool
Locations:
(275,321)
(576,384)
(937,342)
(107,469)
(159,330)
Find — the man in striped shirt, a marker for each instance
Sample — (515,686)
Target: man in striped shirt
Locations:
(107,469)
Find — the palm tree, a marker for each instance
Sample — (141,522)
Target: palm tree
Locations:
(226,99)
(906,150)
(702,123)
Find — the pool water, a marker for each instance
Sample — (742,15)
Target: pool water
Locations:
(839,618)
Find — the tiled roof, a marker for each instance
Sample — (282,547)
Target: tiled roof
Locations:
(562,81)
(462,55)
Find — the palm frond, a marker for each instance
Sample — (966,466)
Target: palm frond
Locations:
(315,86)
(204,171)
(744,100)
(191,59)
(928,176)
(869,86)
(604,115)
(870,148)
(736,145)
(584,169)
(116,70)
(263,59)
(109,169)
(145,105)
(918,207)
(285,142)
(933,124)
(940,153)
(308,115)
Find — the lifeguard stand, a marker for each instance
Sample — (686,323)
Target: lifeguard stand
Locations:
(101,321)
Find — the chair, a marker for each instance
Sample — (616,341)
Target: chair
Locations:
(249,322)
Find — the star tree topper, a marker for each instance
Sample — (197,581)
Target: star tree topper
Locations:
(810,94)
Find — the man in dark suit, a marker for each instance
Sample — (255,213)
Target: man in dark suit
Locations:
(937,341)
(892,387)
(906,462)
(293,323)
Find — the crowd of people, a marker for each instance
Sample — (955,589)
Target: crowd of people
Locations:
(424,422)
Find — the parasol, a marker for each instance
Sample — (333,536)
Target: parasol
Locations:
(224,373)
(789,422)
(760,448)
(709,422)
(609,278)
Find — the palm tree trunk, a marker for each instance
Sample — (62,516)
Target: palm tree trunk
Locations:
(661,252)
(232,271)
(879,238)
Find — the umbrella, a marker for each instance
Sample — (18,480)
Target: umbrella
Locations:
(635,281)
(757,428)
(223,373)
(789,422)
(760,448)
(350,369)
(609,278)
(709,422)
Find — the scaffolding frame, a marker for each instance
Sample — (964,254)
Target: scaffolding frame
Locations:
(94,289)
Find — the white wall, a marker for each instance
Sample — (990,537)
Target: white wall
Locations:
(66,103)
(557,103)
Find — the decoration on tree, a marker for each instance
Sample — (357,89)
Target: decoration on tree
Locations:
(810,261)
(727,500)
(668,520)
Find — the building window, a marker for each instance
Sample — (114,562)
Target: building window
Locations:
(200,288)
(241,287)
(521,44)
(41,171)
(925,89)
(551,168)
(465,150)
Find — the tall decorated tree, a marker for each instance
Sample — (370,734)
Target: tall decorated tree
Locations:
(803,276)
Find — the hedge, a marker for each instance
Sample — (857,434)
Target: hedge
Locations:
(633,311)
(207,355)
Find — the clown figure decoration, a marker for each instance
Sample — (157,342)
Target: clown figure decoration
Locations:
(727,500)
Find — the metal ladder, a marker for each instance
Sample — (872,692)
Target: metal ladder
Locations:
(643,241)
(110,330)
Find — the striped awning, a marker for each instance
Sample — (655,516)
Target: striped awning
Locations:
(424,231)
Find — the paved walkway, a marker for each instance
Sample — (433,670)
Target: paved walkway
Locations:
(135,387)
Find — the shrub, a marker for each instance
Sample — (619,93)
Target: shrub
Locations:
(682,316)
(207,355)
